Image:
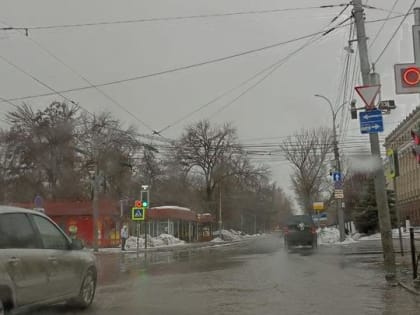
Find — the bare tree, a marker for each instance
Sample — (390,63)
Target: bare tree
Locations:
(106,148)
(41,145)
(307,151)
(207,149)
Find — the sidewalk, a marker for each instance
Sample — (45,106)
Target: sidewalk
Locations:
(173,247)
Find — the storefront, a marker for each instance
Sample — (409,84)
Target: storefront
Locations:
(76,219)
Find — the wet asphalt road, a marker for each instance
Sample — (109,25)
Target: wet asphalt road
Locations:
(256,277)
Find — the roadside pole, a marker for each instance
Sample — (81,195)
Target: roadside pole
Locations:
(397,209)
(138,239)
(340,210)
(95,209)
(220,212)
(381,197)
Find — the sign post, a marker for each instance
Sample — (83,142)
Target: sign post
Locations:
(368,93)
(138,214)
(371,122)
(318,206)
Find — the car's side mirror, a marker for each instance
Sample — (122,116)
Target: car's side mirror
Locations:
(76,244)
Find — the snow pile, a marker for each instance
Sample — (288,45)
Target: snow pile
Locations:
(331,236)
(159,241)
(169,239)
(328,235)
(377,236)
(217,240)
(232,235)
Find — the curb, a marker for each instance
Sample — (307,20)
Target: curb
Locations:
(408,288)
(369,253)
(174,248)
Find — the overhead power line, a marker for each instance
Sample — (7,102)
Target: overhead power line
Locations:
(170,18)
(396,31)
(214,100)
(172,70)
(36,80)
(139,77)
(381,28)
(278,65)
(107,96)
(382,9)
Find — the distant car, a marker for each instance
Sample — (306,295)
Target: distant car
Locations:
(300,230)
(40,264)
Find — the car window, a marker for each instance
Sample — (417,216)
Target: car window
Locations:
(300,218)
(51,237)
(16,231)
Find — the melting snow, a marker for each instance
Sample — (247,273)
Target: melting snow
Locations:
(331,236)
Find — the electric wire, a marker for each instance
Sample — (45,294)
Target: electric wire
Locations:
(281,62)
(395,32)
(174,18)
(381,28)
(20,69)
(106,95)
(181,68)
(139,77)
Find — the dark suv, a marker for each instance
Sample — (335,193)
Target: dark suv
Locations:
(300,230)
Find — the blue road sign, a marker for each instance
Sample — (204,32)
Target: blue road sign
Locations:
(336,176)
(137,214)
(371,121)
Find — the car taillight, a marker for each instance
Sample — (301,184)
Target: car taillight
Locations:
(286,230)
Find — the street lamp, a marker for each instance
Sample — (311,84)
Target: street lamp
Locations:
(337,161)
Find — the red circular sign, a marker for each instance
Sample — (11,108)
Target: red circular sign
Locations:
(411,76)
(138,204)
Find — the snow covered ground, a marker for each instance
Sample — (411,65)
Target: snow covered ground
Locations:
(159,241)
(331,236)
(377,236)
(231,236)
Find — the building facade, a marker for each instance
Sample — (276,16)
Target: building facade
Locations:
(408,181)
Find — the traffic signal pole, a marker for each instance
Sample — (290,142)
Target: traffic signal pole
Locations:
(381,196)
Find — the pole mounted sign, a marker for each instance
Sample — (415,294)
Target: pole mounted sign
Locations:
(318,206)
(371,121)
(368,94)
(393,163)
(407,78)
(137,214)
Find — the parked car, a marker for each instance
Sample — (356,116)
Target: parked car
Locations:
(300,230)
(40,264)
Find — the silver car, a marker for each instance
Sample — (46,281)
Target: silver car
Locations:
(40,264)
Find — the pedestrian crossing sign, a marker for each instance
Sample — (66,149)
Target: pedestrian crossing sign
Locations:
(137,214)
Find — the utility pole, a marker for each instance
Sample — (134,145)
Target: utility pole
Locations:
(338,164)
(95,209)
(340,212)
(381,196)
(220,211)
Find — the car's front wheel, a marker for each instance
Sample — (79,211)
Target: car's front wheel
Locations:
(87,291)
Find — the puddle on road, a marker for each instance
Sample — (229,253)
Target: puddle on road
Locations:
(112,268)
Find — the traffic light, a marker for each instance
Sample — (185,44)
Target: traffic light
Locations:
(407,78)
(353,109)
(415,135)
(145,199)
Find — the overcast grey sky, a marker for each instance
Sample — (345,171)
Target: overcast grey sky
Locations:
(279,106)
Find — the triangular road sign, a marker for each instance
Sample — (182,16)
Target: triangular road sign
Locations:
(368,94)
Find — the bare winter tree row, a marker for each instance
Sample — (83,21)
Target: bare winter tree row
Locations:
(56,152)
